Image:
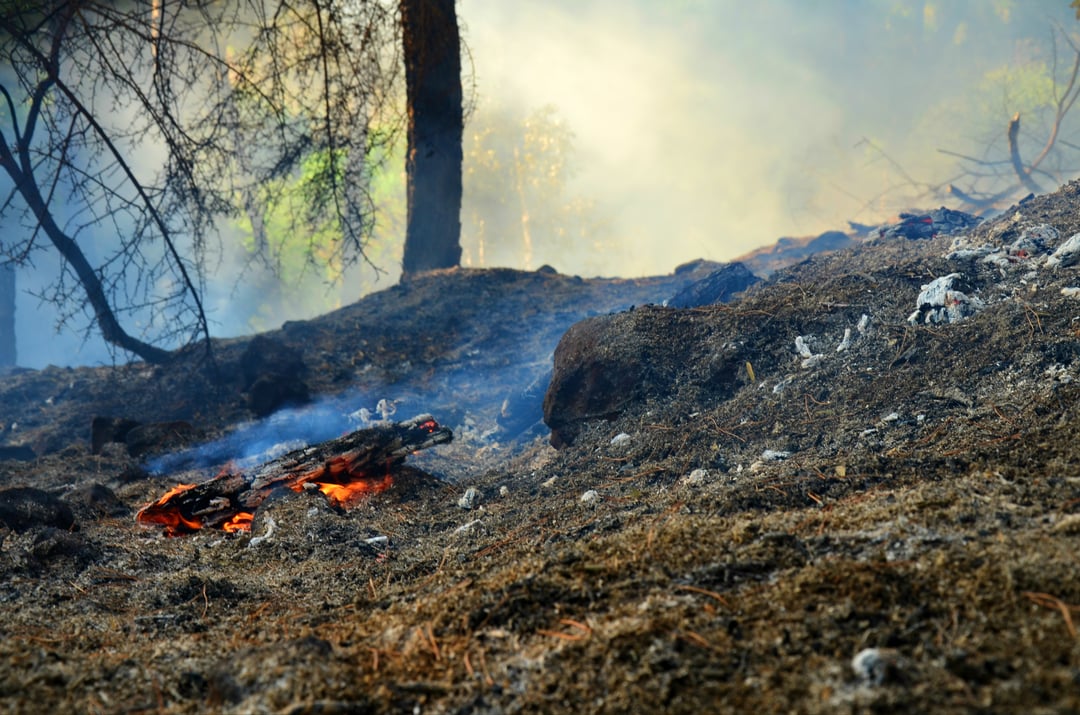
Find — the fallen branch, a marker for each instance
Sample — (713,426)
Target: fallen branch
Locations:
(344,469)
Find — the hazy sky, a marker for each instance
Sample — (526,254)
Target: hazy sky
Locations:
(711,127)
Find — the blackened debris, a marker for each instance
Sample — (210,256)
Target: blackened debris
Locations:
(22,508)
(939,222)
(719,286)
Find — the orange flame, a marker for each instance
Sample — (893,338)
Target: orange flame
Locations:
(346,494)
(338,478)
(169,515)
(341,484)
(240,522)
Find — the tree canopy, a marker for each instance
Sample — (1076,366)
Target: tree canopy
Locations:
(129,130)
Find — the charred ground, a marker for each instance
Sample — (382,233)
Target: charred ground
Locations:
(926,506)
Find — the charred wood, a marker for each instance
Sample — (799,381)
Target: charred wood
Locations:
(360,462)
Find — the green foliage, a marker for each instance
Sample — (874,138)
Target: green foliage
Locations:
(519,210)
(519,206)
(1024,88)
(297,257)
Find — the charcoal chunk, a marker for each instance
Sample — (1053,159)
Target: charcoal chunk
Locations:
(22,508)
(717,287)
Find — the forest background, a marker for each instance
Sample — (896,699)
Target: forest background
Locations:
(623,138)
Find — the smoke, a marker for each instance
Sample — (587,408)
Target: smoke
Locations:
(702,129)
(262,440)
(707,129)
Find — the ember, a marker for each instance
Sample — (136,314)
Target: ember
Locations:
(240,522)
(161,512)
(349,490)
(342,469)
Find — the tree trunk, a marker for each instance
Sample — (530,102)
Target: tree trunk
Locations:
(433,163)
(7,315)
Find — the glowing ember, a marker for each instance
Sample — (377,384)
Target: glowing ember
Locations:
(240,522)
(346,494)
(167,515)
(342,469)
(341,482)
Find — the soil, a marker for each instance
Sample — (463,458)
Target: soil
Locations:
(889,527)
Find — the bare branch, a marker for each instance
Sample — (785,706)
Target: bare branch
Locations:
(1014,156)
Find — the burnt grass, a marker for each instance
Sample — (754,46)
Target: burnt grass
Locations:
(928,507)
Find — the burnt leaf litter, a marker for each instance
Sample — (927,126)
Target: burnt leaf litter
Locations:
(828,494)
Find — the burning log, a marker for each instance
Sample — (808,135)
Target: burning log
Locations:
(344,469)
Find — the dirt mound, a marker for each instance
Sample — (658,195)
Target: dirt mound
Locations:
(839,493)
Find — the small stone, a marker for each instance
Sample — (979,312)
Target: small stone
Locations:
(590,497)
(878,666)
(774,455)
(22,508)
(1068,524)
(620,439)
(845,343)
(1067,254)
(470,499)
(696,477)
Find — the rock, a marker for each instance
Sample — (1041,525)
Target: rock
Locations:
(606,363)
(22,508)
(271,372)
(696,477)
(718,287)
(470,499)
(159,437)
(105,430)
(51,544)
(879,666)
(94,501)
(270,392)
(1067,254)
(17,453)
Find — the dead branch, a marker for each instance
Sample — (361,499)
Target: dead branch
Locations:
(1022,173)
(362,459)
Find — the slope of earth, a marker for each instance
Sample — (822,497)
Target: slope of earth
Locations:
(769,523)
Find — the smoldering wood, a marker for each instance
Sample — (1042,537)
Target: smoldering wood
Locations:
(367,453)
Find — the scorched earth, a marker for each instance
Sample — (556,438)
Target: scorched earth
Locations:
(743,516)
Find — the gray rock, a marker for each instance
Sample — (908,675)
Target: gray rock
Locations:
(22,508)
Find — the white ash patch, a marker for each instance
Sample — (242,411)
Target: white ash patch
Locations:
(696,478)
(1067,254)
(470,499)
(940,302)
